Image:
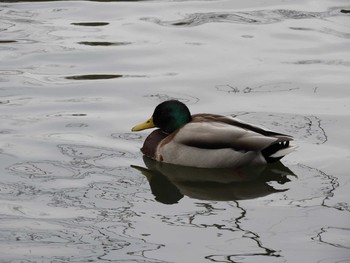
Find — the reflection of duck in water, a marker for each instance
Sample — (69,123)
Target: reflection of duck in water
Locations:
(209,141)
(169,182)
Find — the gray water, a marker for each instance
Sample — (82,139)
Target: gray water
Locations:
(75,76)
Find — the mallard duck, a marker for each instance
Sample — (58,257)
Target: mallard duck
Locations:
(209,140)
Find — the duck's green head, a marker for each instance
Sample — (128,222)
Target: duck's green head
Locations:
(168,116)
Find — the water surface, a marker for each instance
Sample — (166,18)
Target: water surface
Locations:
(75,76)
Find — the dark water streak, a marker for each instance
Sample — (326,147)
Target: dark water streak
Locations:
(94,77)
(103,43)
(90,24)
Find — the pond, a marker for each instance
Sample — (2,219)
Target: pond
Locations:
(75,76)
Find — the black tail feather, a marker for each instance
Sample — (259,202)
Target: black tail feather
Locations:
(273,148)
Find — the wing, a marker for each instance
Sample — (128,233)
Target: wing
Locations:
(218,132)
(238,123)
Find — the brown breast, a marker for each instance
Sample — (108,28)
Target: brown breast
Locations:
(149,147)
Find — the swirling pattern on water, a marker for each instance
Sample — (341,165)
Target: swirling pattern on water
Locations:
(101,215)
(249,17)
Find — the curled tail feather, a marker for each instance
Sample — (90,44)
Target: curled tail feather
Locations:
(276,151)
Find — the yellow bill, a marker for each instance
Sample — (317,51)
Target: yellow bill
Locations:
(145,125)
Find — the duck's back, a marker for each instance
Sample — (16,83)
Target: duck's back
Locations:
(213,141)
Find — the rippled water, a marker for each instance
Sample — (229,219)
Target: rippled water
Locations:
(75,76)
